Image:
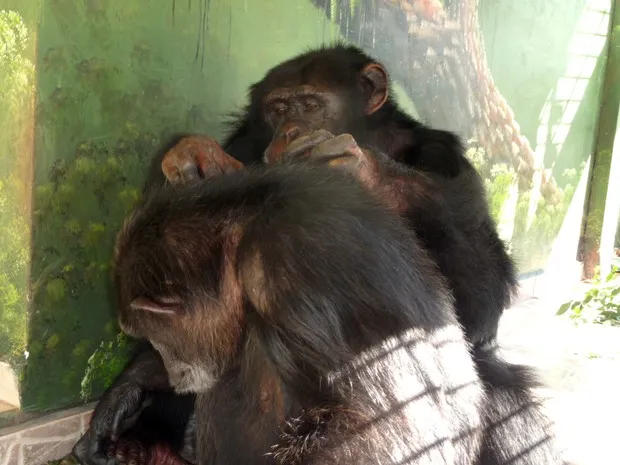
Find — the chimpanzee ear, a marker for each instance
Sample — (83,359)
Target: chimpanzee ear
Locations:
(375,79)
(168,307)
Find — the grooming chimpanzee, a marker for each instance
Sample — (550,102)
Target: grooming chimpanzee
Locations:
(417,171)
(300,345)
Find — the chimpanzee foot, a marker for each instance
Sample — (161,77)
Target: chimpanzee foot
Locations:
(197,157)
(127,451)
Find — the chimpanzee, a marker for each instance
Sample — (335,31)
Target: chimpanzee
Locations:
(269,293)
(333,105)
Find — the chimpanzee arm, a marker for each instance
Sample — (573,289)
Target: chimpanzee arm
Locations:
(434,151)
(121,405)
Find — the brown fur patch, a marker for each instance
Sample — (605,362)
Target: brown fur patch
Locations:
(311,431)
(252,277)
(271,398)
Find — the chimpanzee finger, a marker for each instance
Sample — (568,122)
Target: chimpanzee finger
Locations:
(343,152)
(212,159)
(304,144)
(187,171)
(127,452)
(132,403)
(175,161)
(331,150)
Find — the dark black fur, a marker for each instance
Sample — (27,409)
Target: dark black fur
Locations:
(448,212)
(466,245)
(368,368)
(451,217)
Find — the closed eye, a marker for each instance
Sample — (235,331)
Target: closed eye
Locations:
(311,105)
(278,108)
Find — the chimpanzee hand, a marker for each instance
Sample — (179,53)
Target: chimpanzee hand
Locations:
(196,157)
(127,451)
(117,411)
(341,151)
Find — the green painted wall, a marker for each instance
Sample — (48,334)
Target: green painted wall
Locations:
(18,37)
(548,59)
(116,79)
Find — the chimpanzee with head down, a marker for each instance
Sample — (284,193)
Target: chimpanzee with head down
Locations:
(333,105)
(300,346)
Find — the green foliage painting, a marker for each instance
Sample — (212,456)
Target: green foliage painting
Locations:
(16,90)
(76,217)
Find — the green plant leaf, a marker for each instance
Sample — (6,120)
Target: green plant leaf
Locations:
(564,308)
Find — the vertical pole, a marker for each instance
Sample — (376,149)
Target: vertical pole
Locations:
(596,196)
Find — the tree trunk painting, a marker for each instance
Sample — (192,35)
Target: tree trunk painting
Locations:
(445,72)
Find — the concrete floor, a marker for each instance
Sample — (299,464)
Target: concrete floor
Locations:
(580,368)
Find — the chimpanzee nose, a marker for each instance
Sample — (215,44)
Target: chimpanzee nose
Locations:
(287,133)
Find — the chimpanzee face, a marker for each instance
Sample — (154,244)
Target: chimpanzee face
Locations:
(197,340)
(318,96)
(181,293)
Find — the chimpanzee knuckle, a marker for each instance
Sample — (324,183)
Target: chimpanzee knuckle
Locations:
(186,162)
(168,167)
(189,171)
(88,451)
(349,144)
(336,153)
